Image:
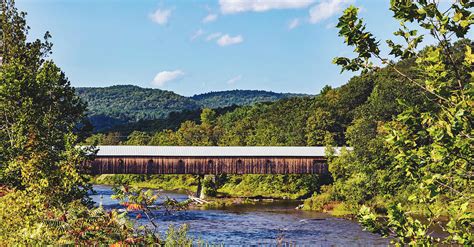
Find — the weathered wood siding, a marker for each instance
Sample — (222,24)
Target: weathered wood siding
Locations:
(208,165)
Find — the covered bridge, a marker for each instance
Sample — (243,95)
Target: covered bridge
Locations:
(209,160)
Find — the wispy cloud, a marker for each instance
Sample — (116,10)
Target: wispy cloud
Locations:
(331,25)
(235,79)
(197,34)
(213,36)
(236,6)
(227,40)
(209,18)
(326,9)
(166,76)
(293,23)
(161,16)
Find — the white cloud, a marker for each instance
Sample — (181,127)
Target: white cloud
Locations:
(327,8)
(235,79)
(226,40)
(209,18)
(161,16)
(166,76)
(293,23)
(197,34)
(236,6)
(213,36)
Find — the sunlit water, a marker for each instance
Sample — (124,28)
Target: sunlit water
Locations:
(260,224)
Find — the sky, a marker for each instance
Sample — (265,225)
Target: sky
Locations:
(192,46)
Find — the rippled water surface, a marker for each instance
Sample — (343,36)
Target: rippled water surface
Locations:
(260,224)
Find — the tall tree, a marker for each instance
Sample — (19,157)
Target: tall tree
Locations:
(39,114)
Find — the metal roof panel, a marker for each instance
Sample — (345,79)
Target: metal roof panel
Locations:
(212,151)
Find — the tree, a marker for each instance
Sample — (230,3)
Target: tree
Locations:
(39,113)
(433,147)
(164,138)
(367,174)
(138,138)
(112,138)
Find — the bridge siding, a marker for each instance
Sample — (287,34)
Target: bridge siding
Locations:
(208,165)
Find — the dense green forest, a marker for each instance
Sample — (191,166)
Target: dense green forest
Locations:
(123,104)
(238,97)
(110,107)
(172,122)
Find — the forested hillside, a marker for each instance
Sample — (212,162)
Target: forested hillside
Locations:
(238,97)
(109,107)
(171,122)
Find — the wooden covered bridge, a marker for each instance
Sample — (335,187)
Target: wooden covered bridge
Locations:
(209,160)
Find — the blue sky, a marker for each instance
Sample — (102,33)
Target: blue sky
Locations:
(192,47)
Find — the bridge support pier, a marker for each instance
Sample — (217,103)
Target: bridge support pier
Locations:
(199,193)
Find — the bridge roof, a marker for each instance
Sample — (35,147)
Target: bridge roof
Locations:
(211,151)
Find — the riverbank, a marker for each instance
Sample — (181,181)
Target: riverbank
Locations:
(234,186)
(239,190)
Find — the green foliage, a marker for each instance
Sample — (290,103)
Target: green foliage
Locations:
(115,108)
(276,186)
(39,113)
(28,221)
(131,103)
(319,201)
(112,138)
(238,97)
(429,146)
(409,231)
(178,236)
(144,202)
(171,122)
(292,122)
(209,186)
(363,174)
(164,182)
(137,138)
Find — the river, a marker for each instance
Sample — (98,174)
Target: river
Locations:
(259,224)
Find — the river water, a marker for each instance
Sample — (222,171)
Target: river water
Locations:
(259,224)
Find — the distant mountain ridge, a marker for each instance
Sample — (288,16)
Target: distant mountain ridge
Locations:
(239,97)
(122,104)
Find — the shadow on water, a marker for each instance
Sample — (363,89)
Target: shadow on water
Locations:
(262,223)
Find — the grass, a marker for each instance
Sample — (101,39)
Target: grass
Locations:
(163,182)
(267,186)
(325,202)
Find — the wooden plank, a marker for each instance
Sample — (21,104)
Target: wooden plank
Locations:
(209,165)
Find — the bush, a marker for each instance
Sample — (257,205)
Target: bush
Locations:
(317,202)
(277,186)
(25,220)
